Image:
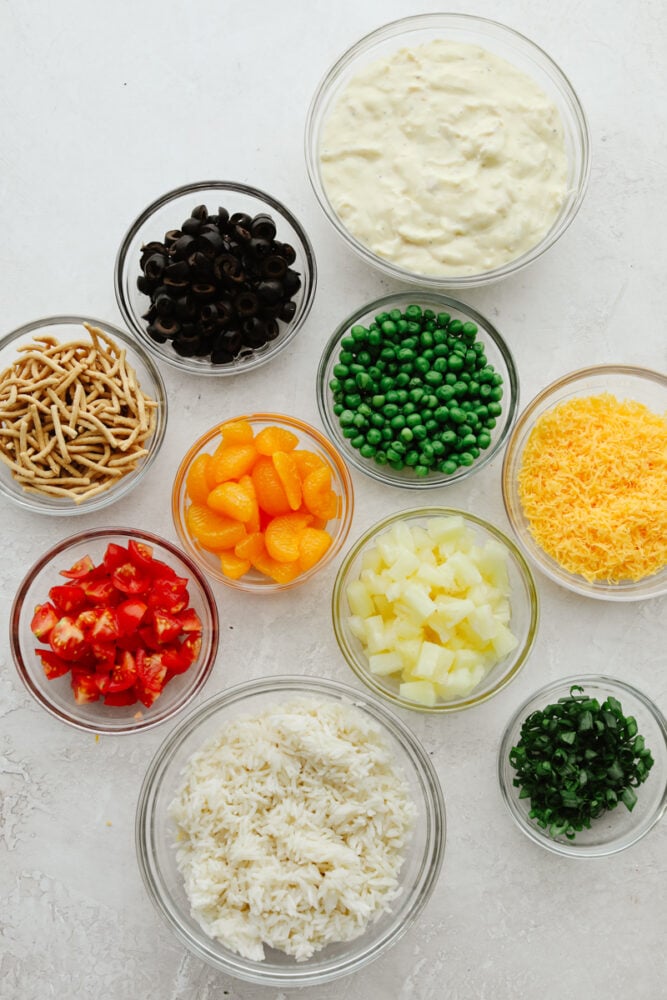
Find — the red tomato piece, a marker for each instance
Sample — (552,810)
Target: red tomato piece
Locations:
(169,595)
(53,665)
(161,571)
(130,614)
(102,680)
(190,649)
(131,642)
(68,598)
(105,629)
(43,620)
(172,659)
(121,698)
(166,627)
(151,673)
(79,569)
(85,687)
(105,655)
(140,554)
(100,592)
(67,639)
(123,675)
(114,556)
(130,580)
(190,620)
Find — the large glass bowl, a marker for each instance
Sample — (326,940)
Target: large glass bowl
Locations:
(617,828)
(497,352)
(500,40)
(624,382)
(524,611)
(155,834)
(56,695)
(168,212)
(309,439)
(65,329)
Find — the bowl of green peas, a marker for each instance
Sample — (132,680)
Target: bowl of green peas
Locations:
(418,390)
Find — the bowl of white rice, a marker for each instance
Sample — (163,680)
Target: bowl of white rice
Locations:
(290,830)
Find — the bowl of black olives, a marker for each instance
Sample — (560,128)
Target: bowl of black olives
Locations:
(215,278)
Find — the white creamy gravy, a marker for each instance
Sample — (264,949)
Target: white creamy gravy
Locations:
(444,159)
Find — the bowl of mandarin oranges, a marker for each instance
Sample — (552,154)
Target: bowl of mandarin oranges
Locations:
(262,502)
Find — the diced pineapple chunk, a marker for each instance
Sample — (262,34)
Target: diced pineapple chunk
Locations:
(357,626)
(450,610)
(442,529)
(504,642)
(483,622)
(492,564)
(408,650)
(404,565)
(415,597)
(360,601)
(385,663)
(422,692)
(402,536)
(371,559)
(433,663)
(376,635)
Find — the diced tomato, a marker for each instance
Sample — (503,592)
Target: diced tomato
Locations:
(114,556)
(151,673)
(43,620)
(190,620)
(141,554)
(121,698)
(86,619)
(149,638)
(169,595)
(85,688)
(102,679)
(131,642)
(173,660)
(166,627)
(100,592)
(124,674)
(161,571)
(53,665)
(130,580)
(105,655)
(67,639)
(79,569)
(106,627)
(68,598)
(130,614)
(190,649)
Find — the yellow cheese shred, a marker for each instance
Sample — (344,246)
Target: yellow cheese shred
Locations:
(593,486)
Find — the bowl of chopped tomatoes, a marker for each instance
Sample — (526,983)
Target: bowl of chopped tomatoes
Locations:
(114,630)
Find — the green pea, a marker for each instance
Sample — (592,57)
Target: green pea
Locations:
(341,370)
(395,314)
(401,397)
(411,457)
(455,363)
(349,432)
(426,338)
(349,385)
(399,447)
(335,385)
(433,378)
(470,359)
(483,440)
(373,436)
(460,389)
(473,387)
(469,331)
(381,317)
(431,426)
(496,393)
(360,420)
(468,441)
(413,312)
(364,381)
(346,418)
(443,319)
(377,420)
(387,433)
(420,432)
(367,451)
(390,410)
(381,457)
(416,394)
(406,435)
(490,422)
(495,409)
(386,383)
(449,466)
(456,415)
(441,415)
(485,390)
(348,343)
(444,393)
(357,441)
(397,422)
(389,328)
(374,338)
(440,340)
(448,438)
(474,451)
(421,365)
(421,470)
(409,409)
(455,326)
(465,458)
(392,455)
(450,378)
(338,408)
(358,332)
(352,400)
(438,448)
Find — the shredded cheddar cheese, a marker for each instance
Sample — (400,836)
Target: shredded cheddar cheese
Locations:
(593,486)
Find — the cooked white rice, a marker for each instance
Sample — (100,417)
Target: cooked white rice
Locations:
(292,825)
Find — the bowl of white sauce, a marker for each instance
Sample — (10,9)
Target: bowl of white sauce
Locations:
(447,150)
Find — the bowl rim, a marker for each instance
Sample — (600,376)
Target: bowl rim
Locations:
(533,832)
(97,726)
(335,457)
(423,770)
(39,505)
(290,329)
(377,472)
(364,674)
(597,590)
(415,22)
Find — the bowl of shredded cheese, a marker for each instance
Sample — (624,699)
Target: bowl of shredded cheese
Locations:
(83,412)
(290,830)
(585,482)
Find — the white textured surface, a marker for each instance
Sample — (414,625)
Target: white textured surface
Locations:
(105,106)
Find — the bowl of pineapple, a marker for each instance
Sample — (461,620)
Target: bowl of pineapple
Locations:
(435,609)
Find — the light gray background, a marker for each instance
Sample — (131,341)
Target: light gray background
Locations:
(106,105)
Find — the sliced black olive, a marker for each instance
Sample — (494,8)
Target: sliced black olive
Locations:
(263,226)
(187,346)
(164,304)
(221,356)
(167,326)
(225,310)
(209,313)
(145,285)
(288,252)
(183,246)
(157,337)
(287,311)
(210,243)
(254,331)
(155,265)
(271,311)
(270,291)
(260,247)
(241,219)
(200,212)
(246,304)
(204,291)
(232,271)
(223,218)
(175,288)
(191,226)
(291,283)
(274,266)
(242,234)
(171,236)
(272,329)
(150,314)
(231,340)
(178,270)
(184,308)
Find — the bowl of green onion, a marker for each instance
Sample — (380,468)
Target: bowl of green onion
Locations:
(417,389)
(583,766)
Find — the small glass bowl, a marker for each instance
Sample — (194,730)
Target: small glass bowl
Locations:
(56,695)
(67,328)
(155,834)
(500,40)
(311,439)
(169,212)
(524,604)
(618,828)
(497,352)
(624,382)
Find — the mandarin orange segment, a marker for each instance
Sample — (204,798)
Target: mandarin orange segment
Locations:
(318,496)
(232,461)
(232,499)
(232,566)
(252,524)
(281,572)
(282,536)
(269,490)
(236,432)
(307,461)
(288,473)
(197,479)
(273,438)
(213,531)
(313,543)
(251,546)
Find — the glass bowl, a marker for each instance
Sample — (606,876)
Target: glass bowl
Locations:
(524,611)
(56,695)
(65,329)
(497,352)
(155,834)
(309,439)
(624,382)
(169,212)
(500,40)
(615,829)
